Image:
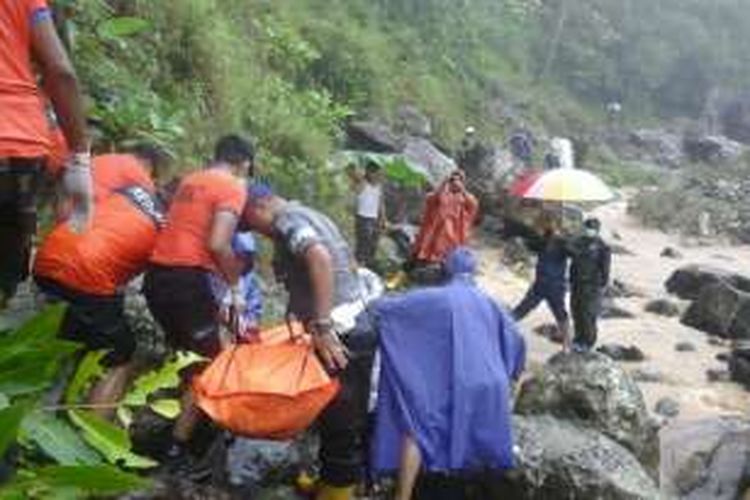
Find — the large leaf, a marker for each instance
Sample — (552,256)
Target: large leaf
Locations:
(89,368)
(33,368)
(166,377)
(167,408)
(44,325)
(57,439)
(63,482)
(10,421)
(119,27)
(111,441)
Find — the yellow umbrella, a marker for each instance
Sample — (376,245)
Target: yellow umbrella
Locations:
(568,184)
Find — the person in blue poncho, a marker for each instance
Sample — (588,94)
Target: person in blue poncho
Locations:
(449,355)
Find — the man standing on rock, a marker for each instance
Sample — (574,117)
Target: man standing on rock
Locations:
(589,275)
(370,216)
(313,261)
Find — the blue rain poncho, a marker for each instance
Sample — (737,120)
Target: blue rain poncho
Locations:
(449,354)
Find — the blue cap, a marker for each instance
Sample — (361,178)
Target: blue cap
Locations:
(259,190)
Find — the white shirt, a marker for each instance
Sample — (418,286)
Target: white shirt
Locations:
(368,201)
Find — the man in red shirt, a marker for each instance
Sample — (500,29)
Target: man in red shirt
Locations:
(27,30)
(89,270)
(196,243)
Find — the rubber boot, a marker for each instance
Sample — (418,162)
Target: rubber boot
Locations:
(327,492)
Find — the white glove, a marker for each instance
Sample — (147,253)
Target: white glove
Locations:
(79,189)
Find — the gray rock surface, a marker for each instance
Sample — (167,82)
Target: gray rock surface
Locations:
(411,121)
(424,153)
(663,307)
(648,375)
(619,352)
(688,281)
(560,460)
(372,136)
(671,253)
(713,149)
(684,347)
(658,146)
(708,459)
(667,407)
(592,391)
(739,368)
(610,310)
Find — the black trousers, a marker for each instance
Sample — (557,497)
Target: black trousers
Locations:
(181,301)
(585,305)
(19,182)
(343,424)
(367,234)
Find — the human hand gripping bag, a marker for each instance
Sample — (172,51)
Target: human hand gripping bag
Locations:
(271,389)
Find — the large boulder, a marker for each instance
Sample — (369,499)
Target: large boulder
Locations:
(411,121)
(591,390)
(372,136)
(706,459)
(424,153)
(253,464)
(715,309)
(560,460)
(713,149)
(658,146)
(687,282)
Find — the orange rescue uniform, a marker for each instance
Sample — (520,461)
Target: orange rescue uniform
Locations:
(24,131)
(201,195)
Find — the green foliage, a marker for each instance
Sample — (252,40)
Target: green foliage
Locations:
(10,421)
(88,369)
(111,441)
(58,440)
(62,482)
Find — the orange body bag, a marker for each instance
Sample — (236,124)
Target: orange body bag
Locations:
(272,389)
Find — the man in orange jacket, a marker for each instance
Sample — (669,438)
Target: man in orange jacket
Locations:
(89,270)
(28,33)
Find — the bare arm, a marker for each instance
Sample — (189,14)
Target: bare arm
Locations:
(61,84)
(327,345)
(320,267)
(220,245)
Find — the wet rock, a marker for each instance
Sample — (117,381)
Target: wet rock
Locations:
(713,149)
(663,307)
(648,375)
(715,309)
(671,253)
(688,282)
(424,153)
(372,136)
(620,352)
(685,347)
(667,407)
(706,459)
(592,391)
(610,310)
(411,121)
(618,249)
(618,289)
(658,146)
(723,357)
(718,375)
(173,488)
(254,463)
(558,459)
(739,368)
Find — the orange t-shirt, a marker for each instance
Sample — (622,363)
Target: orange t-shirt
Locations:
(201,195)
(24,131)
(107,256)
(111,172)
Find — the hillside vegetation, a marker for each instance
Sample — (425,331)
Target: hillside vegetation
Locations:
(290,72)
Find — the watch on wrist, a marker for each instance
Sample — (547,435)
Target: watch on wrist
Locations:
(321,325)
